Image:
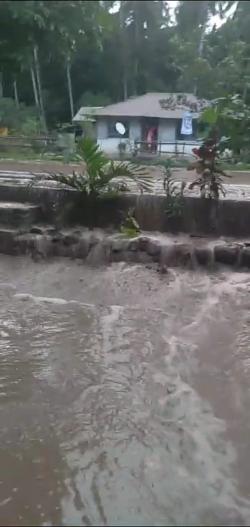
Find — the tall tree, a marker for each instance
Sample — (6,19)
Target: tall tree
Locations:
(140,22)
(192,26)
(61,53)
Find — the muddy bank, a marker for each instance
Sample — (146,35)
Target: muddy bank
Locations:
(123,396)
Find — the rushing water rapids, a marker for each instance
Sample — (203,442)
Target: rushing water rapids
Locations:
(124,396)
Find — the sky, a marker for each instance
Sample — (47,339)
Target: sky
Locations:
(215,20)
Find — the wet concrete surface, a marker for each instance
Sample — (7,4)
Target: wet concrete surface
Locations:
(124,395)
(237,187)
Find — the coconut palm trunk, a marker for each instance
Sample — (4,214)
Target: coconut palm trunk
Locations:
(1,84)
(39,86)
(70,91)
(16,93)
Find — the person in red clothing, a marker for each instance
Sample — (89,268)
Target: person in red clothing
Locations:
(152,139)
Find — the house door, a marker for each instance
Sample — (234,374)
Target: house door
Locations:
(150,134)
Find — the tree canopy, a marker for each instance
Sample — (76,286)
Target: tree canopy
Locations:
(57,55)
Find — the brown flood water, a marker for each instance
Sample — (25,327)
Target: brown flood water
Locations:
(124,396)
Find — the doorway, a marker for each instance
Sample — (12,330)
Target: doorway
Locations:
(150,134)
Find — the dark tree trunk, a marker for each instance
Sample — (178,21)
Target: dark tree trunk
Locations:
(124,58)
(16,93)
(1,84)
(204,16)
(39,85)
(70,91)
(35,92)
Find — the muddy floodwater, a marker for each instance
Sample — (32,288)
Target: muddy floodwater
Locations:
(124,395)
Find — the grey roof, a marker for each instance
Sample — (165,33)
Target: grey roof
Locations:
(161,105)
(86,113)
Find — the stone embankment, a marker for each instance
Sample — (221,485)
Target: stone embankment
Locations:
(98,247)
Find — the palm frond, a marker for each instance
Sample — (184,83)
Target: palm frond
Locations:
(196,183)
(99,175)
(92,155)
(133,172)
(76,181)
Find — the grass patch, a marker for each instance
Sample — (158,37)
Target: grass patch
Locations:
(157,161)
(31,155)
(236,167)
(28,154)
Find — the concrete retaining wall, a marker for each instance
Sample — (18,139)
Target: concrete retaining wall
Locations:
(199,216)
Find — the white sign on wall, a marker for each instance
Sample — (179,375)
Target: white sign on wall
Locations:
(186,125)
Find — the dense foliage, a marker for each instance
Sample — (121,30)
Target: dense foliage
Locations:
(57,55)
(23,120)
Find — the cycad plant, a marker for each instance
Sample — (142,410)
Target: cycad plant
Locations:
(98,176)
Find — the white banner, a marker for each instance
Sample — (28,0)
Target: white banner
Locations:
(186,125)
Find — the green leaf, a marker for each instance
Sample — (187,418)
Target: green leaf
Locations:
(209,116)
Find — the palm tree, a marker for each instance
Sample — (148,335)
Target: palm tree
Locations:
(99,176)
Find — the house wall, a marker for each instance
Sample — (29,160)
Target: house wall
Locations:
(179,148)
(167,134)
(167,130)
(107,144)
(101,129)
(135,132)
(110,144)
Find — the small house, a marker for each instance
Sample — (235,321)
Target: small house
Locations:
(156,123)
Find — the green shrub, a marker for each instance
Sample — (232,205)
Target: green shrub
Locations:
(20,120)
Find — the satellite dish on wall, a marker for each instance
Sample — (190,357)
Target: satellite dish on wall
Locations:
(120,128)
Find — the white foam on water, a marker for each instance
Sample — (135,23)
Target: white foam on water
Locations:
(48,300)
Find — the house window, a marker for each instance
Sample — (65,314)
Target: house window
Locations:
(113,129)
(181,137)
